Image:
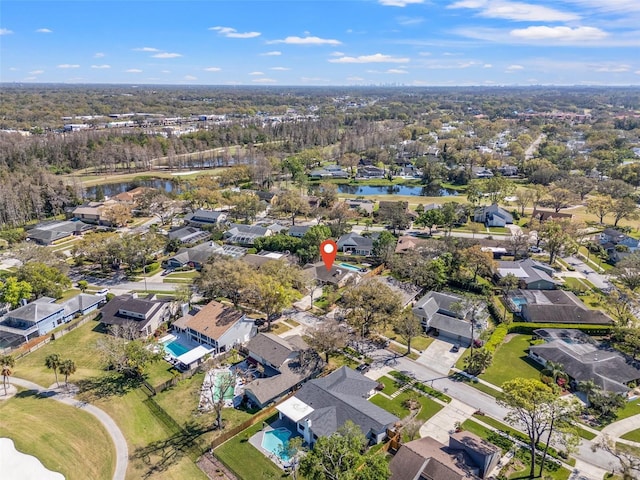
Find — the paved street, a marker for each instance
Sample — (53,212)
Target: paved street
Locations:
(599,281)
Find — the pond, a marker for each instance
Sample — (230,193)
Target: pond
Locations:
(111,189)
(418,190)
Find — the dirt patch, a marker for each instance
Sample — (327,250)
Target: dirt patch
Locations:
(214,469)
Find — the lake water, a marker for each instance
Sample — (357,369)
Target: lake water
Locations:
(423,191)
(111,189)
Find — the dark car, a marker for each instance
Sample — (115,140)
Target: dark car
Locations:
(455,348)
(258,322)
(363,368)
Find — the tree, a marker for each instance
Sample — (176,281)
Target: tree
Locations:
(508,283)
(579,184)
(218,390)
(340,457)
(384,246)
(555,371)
(293,204)
(478,361)
(519,242)
(225,277)
(629,462)
(477,261)
(328,337)
(624,208)
(83,285)
(370,303)
(52,362)
(600,206)
(269,295)
(44,280)
(627,271)
(524,197)
(395,215)
(474,192)
(558,235)
(560,198)
(498,188)
(7,363)
(124,353)
(291,449)
(450,214)
(408,326)
(528,401)
(431,218)
(67,367)
(118,215)
(13,291)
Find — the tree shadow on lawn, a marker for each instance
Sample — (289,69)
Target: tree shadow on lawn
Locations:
(158,456)
(112,384)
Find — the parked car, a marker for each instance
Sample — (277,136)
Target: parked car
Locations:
(258,322)
(455,348)
(535,249)
(363,368)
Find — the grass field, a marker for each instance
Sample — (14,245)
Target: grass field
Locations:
(396,407)
(510,361)
(390,384)
(65,439)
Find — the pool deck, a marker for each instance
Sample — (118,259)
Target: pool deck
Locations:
(256,440)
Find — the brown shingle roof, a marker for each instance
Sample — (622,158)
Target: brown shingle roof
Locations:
(214,320)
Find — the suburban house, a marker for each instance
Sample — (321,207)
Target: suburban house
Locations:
(364,206)
(204,218)
(282,364)
(81,305)
(330,171)
(355,244)
(492,216)
(508,170)
(132,195)
(270,198)
(48,232)
(298,231)
(408,242)
(481,172)
(33,319)
(554,306)
(544,215)
(218,326)
(324,404)
(93,212)
(445,315)
(188,235)
(194,257)
(337,275)
(617,244)
(533,275)
(245,234)
(145,314)
(466,456)
(583,358)
(259,259)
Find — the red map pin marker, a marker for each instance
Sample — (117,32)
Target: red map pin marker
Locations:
(328,252)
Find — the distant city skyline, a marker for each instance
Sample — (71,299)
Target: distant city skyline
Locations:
(333,42)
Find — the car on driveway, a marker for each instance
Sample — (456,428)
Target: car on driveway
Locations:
(363,368)
(455,348)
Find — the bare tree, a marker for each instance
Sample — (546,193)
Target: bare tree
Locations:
(218,389)
(629,463)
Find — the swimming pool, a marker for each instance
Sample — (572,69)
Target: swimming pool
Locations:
(350,267)
(175,348)
(217,387)
(274,440)
(519,301)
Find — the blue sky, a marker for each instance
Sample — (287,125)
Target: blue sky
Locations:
(330,42)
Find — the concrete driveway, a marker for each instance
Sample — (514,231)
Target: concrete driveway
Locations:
(439,357)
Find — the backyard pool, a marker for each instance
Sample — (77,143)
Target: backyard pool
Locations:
(217,386)
(350,267)
(273,441)
(519,301)
(175,348)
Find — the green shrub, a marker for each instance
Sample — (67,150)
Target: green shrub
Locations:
(497,337)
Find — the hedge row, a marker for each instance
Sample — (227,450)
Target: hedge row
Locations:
(497,337)
(528,328)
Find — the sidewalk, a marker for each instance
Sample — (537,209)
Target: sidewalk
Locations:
(444,422)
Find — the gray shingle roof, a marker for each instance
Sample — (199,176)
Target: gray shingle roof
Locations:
(204,216)
(271,348)
(81,302)
(35,311)
(355,239)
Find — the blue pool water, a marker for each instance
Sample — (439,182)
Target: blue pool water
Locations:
(273,440)
(350,267)
(175,348)
(519,301)
(228,395)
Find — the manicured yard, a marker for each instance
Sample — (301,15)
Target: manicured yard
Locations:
(245,460)
(510,361)
(67,294)
(390,384)
(190,274)
(396,407)
(337,360)
(402,351)
(575,284)
(159,372)
(634,435)
(523,460)
(65,439)
(278,328)
(630,409)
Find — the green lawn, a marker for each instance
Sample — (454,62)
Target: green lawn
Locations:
(483,432)
(390,384)
(420,342)
(278,328)
(575,284)
(337,360)
(510,361)
(78,345)
(189,274)
(159,372)
(65,439)
(522,461)
(630,409)
(634,435)
(245,460)
(586,434)
(403,351)
(396,407)
(67,294)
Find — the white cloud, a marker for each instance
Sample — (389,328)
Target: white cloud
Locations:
(98,55)
(562,34)
(212,69)
(101,67)
(355,79)
(165,71)
(5,31)
(407,21)
(433,65)
(256,73)
(13,69)
(263,80)
(514,68)
(637,72)
(27,79)
(307,41)
(190,77)
(166,55)
(280,69)
(337,54)
(614,68)
(399,3)
(44,30)
(36,72)
(233,33)
(146,49)
(424,54)
(67,65)
(516,11)
(487,65)
(273,53)
(396,70)
(375,58)
(133,70)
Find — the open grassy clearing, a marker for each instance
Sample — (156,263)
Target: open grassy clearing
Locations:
(395,406)
(511,361)
(390,384)
(65,439)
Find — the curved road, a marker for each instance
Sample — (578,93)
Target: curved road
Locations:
(122,451)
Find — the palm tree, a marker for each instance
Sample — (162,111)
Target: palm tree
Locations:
(478,361)
(588,387)
(555,371)
(7,362)
(53,362)
(67,367)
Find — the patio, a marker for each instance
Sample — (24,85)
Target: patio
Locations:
(256,440)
